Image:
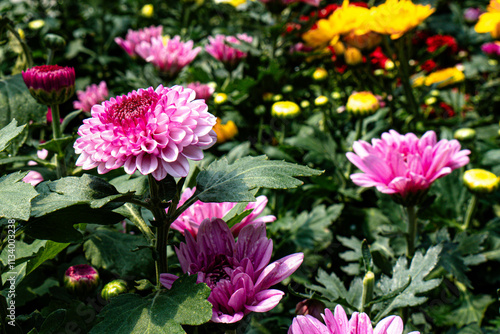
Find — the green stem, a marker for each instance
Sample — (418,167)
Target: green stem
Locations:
(56,134)
(282,135)
(50,56)
(412,231)
(26,49)
(470,212)
(404,74)
(359,127)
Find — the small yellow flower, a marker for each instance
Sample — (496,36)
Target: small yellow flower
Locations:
(442,78)
(362,104)
(226,131)
(396,17)
(481,181)
(36,24)
(320,100)
(305,104)
(234,3)
(465,134)
(285,109)
(220,98)
(287,89)
(147,10)
(338,48)
(353,56)
(490,21)
(430,100)
(389,65)
(336,95)
(320,74)
(277,97)
(21,33)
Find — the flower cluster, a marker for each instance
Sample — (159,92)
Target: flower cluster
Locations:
(134,38)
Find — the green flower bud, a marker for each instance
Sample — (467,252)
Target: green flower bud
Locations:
(465,134)
(113,289)
(54,42)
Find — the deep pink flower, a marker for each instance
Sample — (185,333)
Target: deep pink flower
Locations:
(191,219)
(404,164)
(491,49)
(81,279)
(220,49)
(238,273)
(169,56)
(154,131)
(136,37)
(35,177)
(339,324)
(203,91)
(92,94)
(50,84)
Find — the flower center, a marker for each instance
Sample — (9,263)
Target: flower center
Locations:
(48,68)
(215,271)
(132,107)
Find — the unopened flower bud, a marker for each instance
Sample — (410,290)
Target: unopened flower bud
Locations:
(36,24)
(305,104)
(287,89)
(50,84)
(54,42)
(320,74)
(353,56)
(147,10)
(320,100)
(336,95)
(389,65)
(313,307)
(285,109)
(362,104)
(267,97)
(465,134)
(277,97)
(113,289)
(430,100)
(81,279)
(480,181)
(220,98)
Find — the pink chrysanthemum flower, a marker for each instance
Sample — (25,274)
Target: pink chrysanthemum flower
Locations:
(154,131)
(92,94)
(50,84)
(238,273)
(404,165)
(220,49)
(491,49)
(191,219)
(168,56)
(203,91)
(136,37)
(339,324)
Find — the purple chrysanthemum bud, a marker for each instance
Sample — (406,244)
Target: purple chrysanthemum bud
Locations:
(81,279)
(50,84)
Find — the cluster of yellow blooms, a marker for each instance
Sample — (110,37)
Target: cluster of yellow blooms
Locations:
(490,21)
(394,18)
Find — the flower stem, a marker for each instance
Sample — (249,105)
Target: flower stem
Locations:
(412,231)
(50,56)
(56,134)
(26,49)
(404,73)
(470,212)
(359,127)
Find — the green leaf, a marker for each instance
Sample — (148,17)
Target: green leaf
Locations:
(221,182)
(8,133)
(47,252)
(54,322)
(69,118)
(421,266)
(332,287)
(112,251)
(16,196)
(133,214)
(163,312)
(57,145)
(131,183)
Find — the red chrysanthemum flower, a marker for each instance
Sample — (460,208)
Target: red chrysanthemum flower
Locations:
(438,41)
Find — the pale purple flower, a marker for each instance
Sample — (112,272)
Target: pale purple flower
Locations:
(136,37)
(339,324)
(169,56)
(221,50)
(154,131)
(238,272)
(92,95)
(203,91)
(34,177)
(471,14)
(491,49)
(191,219)
(404,164)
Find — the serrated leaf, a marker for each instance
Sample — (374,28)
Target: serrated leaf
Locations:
(161,313)
(112,250)
(221,182)
(421,266)
(8,133)
(16,196)
(332,287)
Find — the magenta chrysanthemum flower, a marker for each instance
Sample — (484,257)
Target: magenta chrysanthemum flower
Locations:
(220,49)
(92,94)
(491,49)
(339,324)
(403,164)
(238,273)
(169,56)
(50,84)
(191,219)
(203,91)
(154,131)
(81,279)
(136,37)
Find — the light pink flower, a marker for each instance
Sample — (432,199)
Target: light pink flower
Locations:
(136,37)
(169,56)
(339,324)
(34,177)
(404,164)
(191,219)
(220,49)
(92,94)
(203,91)
(238,272)
(154,131)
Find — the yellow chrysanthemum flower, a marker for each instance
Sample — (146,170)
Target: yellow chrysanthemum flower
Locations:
(220,98)
(285,109)
(481,181)
(234,3)
(396,17)
(320,74)
(490,21)
(147,10)
(362,104)
(226,131)
(320,101)
(342,21)
(443,78)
